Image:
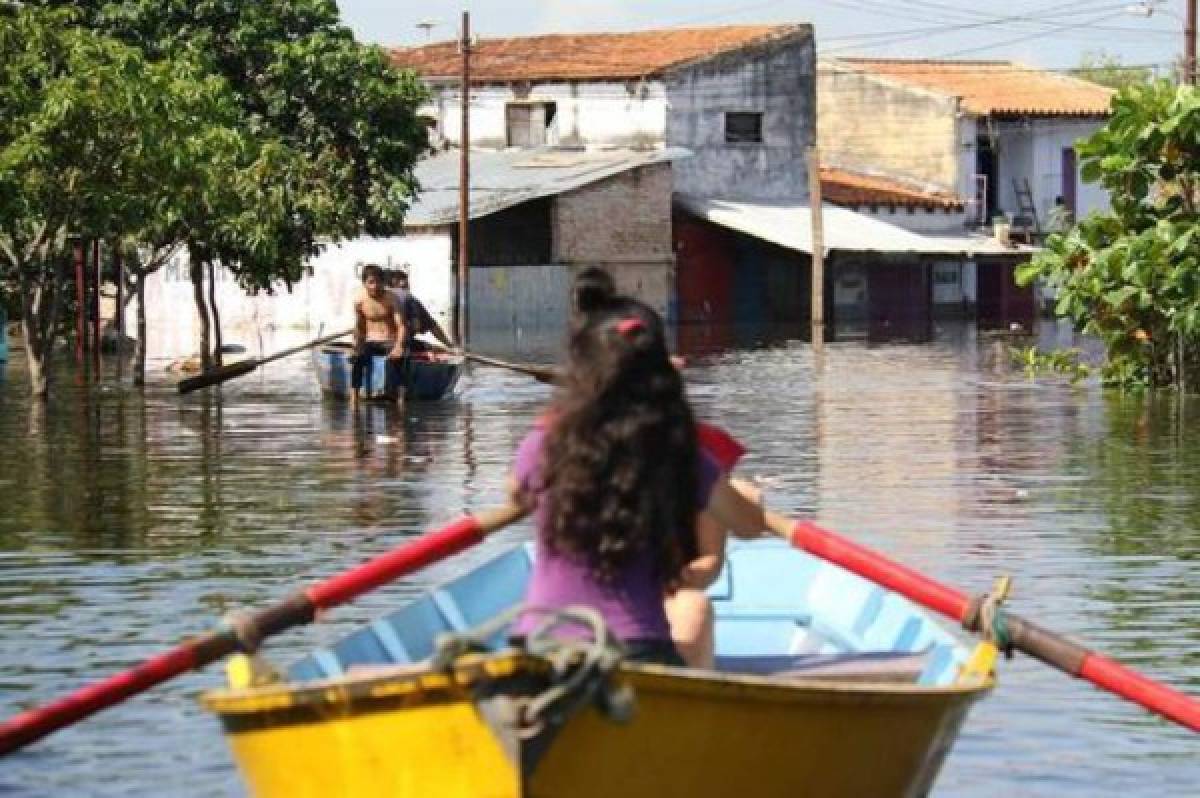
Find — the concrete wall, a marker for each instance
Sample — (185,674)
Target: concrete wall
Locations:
(872,124)
(621,224)
(595,114)
(776,78)
(324,298)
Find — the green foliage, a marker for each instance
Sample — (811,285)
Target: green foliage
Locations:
(332,125)
(1066,362)
(1107,69)
(1132,276)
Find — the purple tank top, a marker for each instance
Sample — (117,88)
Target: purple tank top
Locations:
(632,605)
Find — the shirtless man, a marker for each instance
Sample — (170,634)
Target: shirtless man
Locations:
(378,329)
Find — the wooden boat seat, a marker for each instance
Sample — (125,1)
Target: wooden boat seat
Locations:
(893,667)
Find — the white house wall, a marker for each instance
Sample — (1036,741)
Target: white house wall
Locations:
(592,114)
(324,298)
(1032,149)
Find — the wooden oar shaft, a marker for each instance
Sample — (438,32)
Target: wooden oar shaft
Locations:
(546,374)
(302,347)
(235,370)
(1024,635)
(244,632)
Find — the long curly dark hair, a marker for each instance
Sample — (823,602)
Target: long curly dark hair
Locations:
(620,458)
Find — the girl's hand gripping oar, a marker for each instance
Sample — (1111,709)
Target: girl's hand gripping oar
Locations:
(245,632)
(1008,630)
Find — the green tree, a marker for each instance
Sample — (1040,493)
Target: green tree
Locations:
(1106,69)
(342,123)
(94,140)
(1131,276)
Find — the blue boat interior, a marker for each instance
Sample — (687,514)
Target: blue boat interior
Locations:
(778,610)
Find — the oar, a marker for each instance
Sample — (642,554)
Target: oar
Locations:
(234,370)
(1049,647)
(245,632)
(546,374)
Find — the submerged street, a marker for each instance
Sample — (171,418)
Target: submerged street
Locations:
(128,524)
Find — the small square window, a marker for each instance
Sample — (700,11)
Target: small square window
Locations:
(529,124)
(743,127)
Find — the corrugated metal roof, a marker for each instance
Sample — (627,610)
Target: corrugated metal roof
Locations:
(585,56)
(503,178)
(995,87)
(844,230)
(843,187)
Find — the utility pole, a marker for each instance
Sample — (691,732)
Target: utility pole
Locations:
(818,248)
(1189,45)
(464,187)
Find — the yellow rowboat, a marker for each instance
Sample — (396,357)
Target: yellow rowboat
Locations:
(825,685)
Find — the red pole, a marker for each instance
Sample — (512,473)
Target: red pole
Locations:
(96,333)
(80,301)
(1042,644)
(246,632)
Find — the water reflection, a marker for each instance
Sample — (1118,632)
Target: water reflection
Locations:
(129,524)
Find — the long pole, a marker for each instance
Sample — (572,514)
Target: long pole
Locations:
(464,185)
(818,248)
(80,301)
(97,270)
(1189,45)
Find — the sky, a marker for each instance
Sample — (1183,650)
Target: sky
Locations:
(1052,33)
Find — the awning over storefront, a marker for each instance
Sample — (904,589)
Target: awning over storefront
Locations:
(790,226)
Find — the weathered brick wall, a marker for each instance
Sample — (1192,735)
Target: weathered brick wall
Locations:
(623,225)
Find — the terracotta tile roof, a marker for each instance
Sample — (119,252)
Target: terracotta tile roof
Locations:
(585,56)
(853,189)
(996,87)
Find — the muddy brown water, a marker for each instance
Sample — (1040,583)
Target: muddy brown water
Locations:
(128,521)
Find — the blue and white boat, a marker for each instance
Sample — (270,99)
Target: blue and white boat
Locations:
(426,375)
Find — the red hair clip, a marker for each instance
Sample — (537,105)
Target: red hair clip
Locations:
(632,324)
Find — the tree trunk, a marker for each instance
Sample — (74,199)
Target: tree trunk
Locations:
(196,270)
(139,353)
(34,350)
(216,316)
(39,310)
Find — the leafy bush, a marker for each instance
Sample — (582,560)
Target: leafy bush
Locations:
(1131,276)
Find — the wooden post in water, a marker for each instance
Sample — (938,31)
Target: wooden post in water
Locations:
(461,320)
(818,248)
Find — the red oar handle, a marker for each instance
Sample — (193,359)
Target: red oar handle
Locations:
(246,631)
(1022,634)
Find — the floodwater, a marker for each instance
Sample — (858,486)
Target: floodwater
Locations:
(128,524)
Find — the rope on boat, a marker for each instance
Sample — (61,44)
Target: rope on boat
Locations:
(985,616)
(580,669)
